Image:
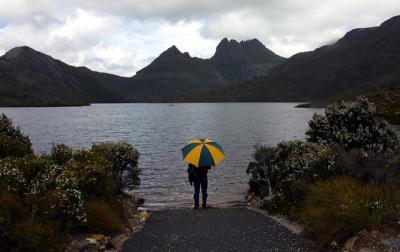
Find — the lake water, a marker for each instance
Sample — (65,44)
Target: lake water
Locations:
(158,131)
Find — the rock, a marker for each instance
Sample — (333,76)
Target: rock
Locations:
(143,216)
(93,241)
(392,242)
(75,245)
(118,240)
(99,238)
(350,243)
(368,250)
(140,201)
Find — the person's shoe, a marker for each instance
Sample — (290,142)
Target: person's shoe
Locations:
(204,206)
(195,208)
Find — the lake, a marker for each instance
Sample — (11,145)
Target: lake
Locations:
(159,131)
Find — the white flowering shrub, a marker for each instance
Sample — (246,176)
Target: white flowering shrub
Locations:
(42,198)
(368,166)
(284,172)
(352,124)
(70,203)
(12,176)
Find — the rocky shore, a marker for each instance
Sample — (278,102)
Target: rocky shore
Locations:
(135,218)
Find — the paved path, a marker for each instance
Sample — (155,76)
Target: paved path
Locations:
(228,229)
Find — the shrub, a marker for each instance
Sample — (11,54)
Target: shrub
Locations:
(37,237)
(42,198)
(125,160)
(13,143)
(352,124)
(369,167)
(102,217)
(263,174)
(3,231)
(284,172)
(337,209)
(61,154)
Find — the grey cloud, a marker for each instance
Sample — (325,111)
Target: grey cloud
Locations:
(130,33)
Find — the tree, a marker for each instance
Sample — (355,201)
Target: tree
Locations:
(12,141)
(262,172)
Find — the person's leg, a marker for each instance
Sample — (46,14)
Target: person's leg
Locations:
(196,193)
(204,185)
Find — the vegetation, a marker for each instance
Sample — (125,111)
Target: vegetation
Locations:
(336,209)
(352,124)
(44,198)
(343,179)
(387,104)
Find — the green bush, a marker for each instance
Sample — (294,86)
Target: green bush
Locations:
(43,198)
(263,174)
(125,160)
(336,209)
(369,167)
(13,143)
(284,173)
(37,237)
(352,124)
(61,154)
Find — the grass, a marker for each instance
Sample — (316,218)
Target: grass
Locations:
(104,217)
(337,209)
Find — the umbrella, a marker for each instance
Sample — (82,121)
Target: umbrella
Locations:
(203,152)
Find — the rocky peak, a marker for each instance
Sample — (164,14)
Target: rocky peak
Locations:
(172,55)
(252,50)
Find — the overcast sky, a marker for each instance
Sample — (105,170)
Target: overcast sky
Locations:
(123,36)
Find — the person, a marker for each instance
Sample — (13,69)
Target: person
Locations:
(198,176)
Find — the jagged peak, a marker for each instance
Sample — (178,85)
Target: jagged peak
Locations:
(173,52)
(173,49)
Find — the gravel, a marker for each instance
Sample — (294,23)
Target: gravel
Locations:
(227,229)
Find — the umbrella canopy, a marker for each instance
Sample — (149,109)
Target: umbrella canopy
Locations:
(203,152)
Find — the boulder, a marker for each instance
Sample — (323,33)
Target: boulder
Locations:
(140,201)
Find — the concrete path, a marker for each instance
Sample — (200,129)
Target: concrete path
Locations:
(226,229)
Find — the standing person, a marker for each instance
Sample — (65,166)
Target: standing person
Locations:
(198,176)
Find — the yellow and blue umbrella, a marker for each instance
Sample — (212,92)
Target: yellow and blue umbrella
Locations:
(203,152)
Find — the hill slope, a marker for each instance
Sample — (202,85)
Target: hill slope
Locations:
(362,61)
(31,78)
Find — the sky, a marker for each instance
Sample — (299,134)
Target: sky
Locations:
(123,36)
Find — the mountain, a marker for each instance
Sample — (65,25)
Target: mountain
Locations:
(238,61)
(31,78)
(364,60)
(175,76)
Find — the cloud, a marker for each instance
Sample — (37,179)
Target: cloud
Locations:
(123,36)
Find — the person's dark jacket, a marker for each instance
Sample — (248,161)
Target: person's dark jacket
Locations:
(194,172)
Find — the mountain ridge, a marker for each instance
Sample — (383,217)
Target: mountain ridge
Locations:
(363,60)
(31,78)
